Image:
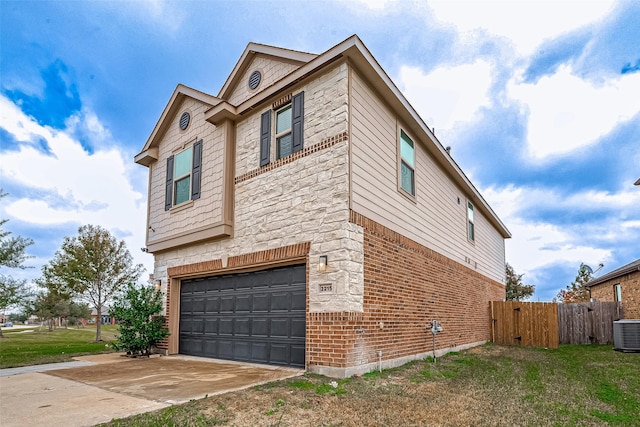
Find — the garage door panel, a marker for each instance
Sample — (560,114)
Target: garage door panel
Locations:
(279,354)
(242,351)
(260,352)
(259,327)
(242,326)
(227,303)
(260,302)
(225,349)
(212,304)
(211,326)
(280,301)
(226,326)
(210,346)
(257,316)
(280,327)
(297,355)
(299,301)
(244,303)
(198,305)
(298,328)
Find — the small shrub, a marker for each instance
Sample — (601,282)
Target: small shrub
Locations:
(139,326)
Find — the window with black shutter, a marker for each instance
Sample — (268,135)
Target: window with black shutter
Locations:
(184,175)
(289,125)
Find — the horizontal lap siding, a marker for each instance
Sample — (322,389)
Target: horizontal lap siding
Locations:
(437,220)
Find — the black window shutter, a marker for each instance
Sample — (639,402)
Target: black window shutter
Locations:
(265,137)
(297,122)
(168,198)
(196,170)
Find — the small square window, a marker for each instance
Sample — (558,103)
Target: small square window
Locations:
(407,164)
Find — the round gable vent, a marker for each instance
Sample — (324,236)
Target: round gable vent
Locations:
(254,79)
(185,118)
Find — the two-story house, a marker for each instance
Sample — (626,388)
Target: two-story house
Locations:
(307,216)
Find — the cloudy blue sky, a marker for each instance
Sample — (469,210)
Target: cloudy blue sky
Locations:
(540,102)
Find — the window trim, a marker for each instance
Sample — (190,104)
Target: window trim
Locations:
(471,224)
(401,161)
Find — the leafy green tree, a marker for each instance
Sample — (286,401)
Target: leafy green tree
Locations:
(12,255)
(93,266)
(78,312)
(516,290)
(139,324)
(48,306)
(576,291)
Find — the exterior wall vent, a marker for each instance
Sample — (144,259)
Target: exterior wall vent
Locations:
(626,335)
(185,118)
(255,79)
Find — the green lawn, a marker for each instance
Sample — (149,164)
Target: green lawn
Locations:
(489,385)
(20,348)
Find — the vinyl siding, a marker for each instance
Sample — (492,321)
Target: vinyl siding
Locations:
(436,219)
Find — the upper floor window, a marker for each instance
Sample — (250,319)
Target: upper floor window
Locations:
(183,176)
(283,132)
(407,164)
(617,292)
(471,232)
(289,126)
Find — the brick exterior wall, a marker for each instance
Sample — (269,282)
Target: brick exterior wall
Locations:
(406,286)
(630,286)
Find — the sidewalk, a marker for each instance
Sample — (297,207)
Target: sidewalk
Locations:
(42,368)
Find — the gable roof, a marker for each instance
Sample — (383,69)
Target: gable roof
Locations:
(149,152)
(250,52)
(619,272)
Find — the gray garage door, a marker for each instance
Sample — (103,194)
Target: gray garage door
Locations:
(253,317)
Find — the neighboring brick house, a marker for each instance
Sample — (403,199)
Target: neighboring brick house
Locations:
(307,216)
(622,284)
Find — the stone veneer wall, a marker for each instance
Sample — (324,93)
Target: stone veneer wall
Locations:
(630,286)
(406,286)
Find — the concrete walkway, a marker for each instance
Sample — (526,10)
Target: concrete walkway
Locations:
(43,368)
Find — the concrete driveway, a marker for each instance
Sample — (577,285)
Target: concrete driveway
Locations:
(113,386)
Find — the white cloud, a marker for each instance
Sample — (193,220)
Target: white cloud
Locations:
(525,23)
(81,188)
(448,94)
(536,244)
(376,4)
(567,112)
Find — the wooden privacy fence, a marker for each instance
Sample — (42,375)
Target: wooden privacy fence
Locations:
(546,324)
(531,324)
(588,323)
